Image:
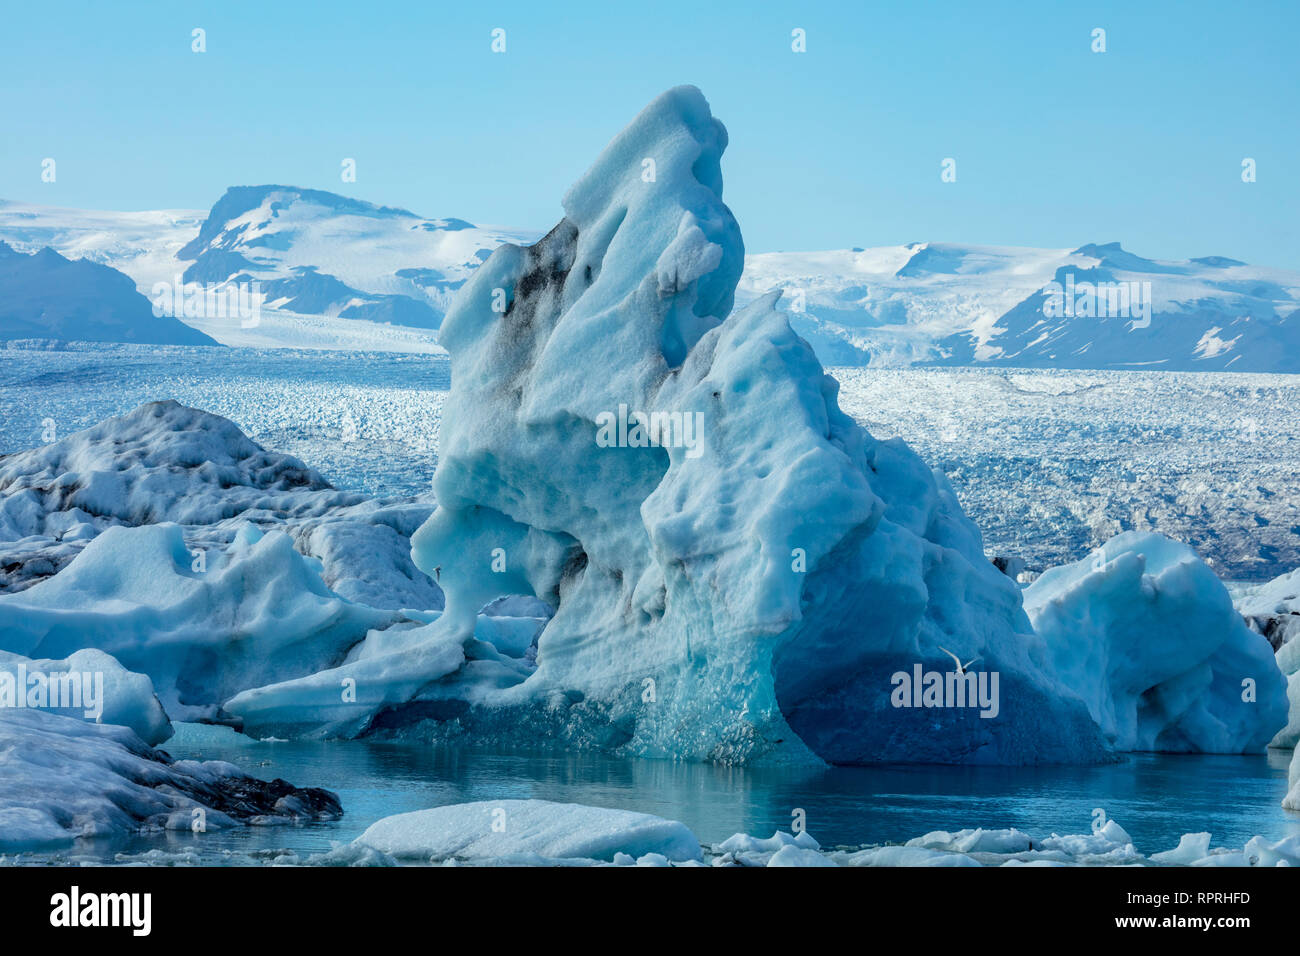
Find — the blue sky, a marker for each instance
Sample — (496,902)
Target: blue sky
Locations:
(839,146)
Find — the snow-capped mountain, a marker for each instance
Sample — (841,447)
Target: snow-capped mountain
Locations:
(141,244)
(45,296)
(338,272)
(332,272)
(318,253)
(1095,307)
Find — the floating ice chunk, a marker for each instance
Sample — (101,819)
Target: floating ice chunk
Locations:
(744,843)
(992,841)
(261,615)
(1148,635)
(493,830)
(1292,800)
(94,687)
(974,841)
(799,856)
(908,856)
(62,778)
(1110,841)
(1191,847)
(1285,852)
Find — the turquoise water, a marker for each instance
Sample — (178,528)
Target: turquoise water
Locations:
(1155,797)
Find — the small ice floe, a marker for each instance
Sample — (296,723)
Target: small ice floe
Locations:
(531,832)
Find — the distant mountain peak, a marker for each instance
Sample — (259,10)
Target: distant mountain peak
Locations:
(47,296)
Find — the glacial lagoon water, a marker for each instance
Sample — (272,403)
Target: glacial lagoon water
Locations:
(1155,797)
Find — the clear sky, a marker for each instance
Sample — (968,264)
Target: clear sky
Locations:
(839,146)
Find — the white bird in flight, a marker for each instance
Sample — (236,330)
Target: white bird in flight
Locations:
(961,668)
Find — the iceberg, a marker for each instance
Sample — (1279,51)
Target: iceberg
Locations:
(90,685)
(63,779)
(737,569)
(1149,637)
(165,462)
(255,614)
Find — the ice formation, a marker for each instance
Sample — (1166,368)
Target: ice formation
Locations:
(543,833)
(737,568)
(88,684)
(253,615)
(1147,634)
(1273,609)
(166,462)
(529,831)
(63,778)
(1292,799)
(657,532)
(395,675)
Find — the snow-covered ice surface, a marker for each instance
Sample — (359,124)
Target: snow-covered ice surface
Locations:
(141,244)
(336,272)
(321,253)
(368,421)
(332,262)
